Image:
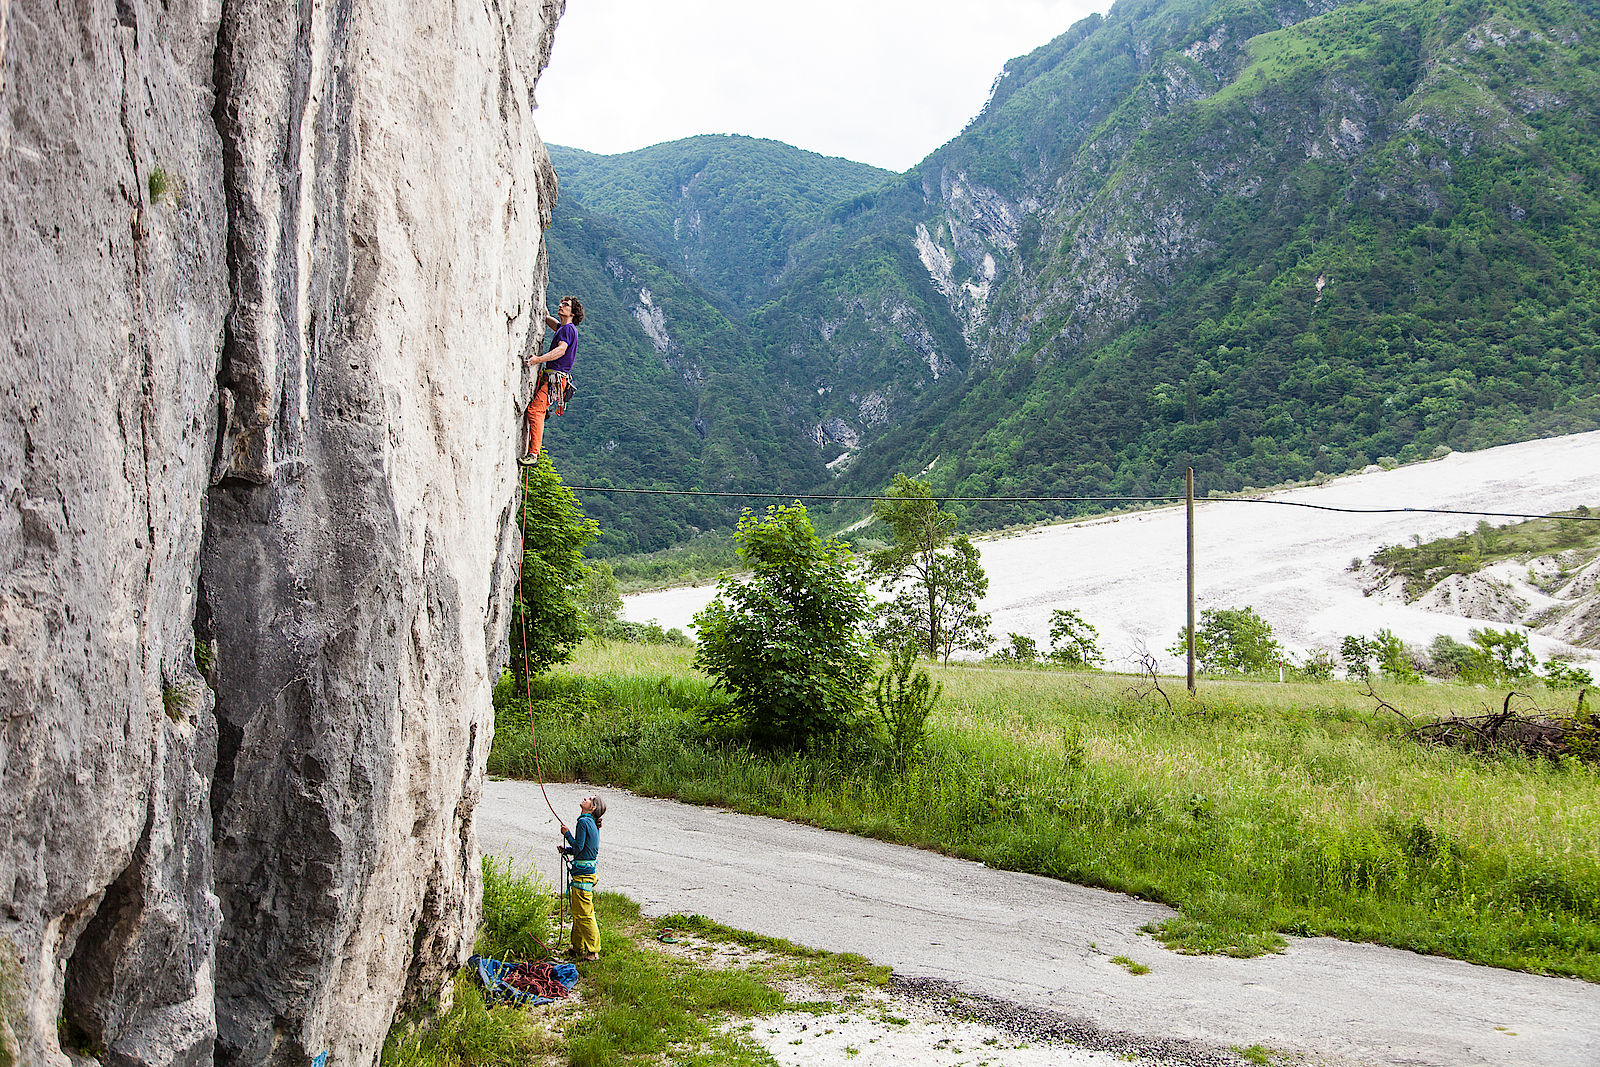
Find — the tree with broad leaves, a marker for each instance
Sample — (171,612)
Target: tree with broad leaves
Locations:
(1073,642)
(546,622)
(933,577)
(1232,641)
(788,642)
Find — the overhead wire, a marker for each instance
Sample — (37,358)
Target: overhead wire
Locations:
(826,497)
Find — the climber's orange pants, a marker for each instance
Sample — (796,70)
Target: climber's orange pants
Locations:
(537,407)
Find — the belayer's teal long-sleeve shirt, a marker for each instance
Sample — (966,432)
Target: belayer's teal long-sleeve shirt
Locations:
(583,843)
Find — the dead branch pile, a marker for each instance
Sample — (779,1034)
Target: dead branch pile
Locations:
(1535,732)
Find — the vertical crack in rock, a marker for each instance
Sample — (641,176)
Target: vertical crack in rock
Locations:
(5,15)
(301,565)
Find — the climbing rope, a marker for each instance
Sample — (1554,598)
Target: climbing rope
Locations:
(536,979)
(527,690)
(522,617)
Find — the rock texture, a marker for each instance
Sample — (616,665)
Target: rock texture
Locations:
(265,273)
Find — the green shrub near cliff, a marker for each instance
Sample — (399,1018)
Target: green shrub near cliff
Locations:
(546,622)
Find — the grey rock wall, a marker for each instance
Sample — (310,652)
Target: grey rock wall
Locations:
(265,272)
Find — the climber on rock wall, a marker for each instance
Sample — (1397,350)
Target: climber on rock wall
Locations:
(553,386)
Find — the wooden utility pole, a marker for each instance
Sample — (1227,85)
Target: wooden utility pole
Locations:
(1189,499)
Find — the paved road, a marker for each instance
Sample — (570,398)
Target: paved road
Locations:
(1047,944)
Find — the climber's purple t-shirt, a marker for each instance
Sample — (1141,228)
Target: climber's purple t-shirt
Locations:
(569,333)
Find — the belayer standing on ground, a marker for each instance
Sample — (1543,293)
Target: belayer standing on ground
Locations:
(583,845)
(555,372)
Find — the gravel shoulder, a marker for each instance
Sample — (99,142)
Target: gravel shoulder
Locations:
(1015,944)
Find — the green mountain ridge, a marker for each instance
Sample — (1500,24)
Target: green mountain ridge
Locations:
(670,393)
(1265,241)
(724,209)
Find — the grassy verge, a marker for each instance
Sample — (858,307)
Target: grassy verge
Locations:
(636,1004)
(518,922)
(1257,810)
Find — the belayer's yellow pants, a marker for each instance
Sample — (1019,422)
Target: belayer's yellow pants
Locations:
(585,931)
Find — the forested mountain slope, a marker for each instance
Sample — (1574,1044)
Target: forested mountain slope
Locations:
(725,210)
(1373,232)
(671,393)
(1261,239)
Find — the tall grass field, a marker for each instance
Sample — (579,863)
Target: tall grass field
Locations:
(1258,810)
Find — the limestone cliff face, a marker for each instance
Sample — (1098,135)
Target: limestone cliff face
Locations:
(265,273)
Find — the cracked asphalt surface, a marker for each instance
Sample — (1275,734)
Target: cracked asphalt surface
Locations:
(1045,948)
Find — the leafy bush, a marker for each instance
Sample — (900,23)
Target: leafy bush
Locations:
(518,913)
(1504,655)
(788,642)
(1383,650)
(1073,642)
(1021,649)
(1562,674)
(904,699)
(644,633)
(1318,666)
(1449,658)
(547,622)
(1497,657)
(1232,641)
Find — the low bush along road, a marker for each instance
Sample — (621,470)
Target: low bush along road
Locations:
(1054,945)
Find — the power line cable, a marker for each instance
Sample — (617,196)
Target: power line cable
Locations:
(824,496)
(1396,511)
(1081,500)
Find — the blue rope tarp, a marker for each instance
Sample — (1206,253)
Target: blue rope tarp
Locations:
(493,974)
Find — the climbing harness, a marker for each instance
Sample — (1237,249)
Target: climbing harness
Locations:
(559,388)
(563,902)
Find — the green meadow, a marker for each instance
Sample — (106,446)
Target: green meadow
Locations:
(1258,810)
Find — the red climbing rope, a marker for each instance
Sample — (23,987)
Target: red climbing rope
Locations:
(527,695)
(536,978)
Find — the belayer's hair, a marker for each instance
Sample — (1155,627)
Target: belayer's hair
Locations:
(599,811)
(577,320)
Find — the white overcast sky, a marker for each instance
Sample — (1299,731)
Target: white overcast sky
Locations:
(878,81)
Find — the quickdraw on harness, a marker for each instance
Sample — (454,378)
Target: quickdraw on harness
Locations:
(559,390)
